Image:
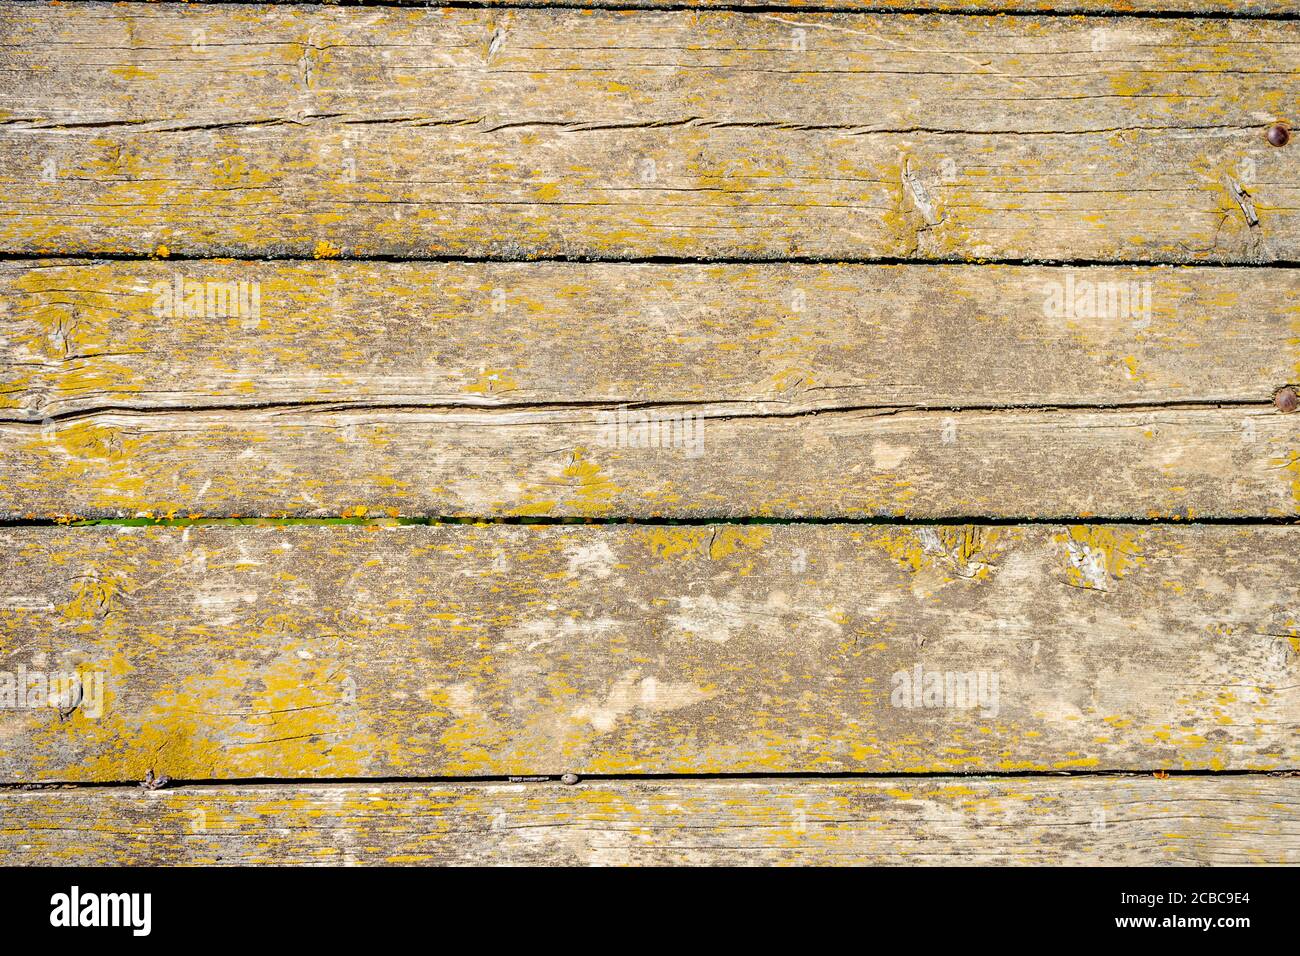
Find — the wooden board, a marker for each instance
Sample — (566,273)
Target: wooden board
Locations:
(642,264)
(515,389)
(328,652)
(1217,8)
(80,336)
(972,821)
(225,130)
(165,67)
(699,460)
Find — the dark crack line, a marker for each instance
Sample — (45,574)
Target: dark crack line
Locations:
(652,778)
(722,410)
(99,257)
(941,520)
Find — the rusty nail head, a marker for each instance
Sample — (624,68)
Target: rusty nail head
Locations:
(1286,399)
(569,778)
(1278,134)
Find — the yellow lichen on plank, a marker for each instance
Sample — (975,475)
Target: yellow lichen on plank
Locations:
(555,133)
(80,336)
(229,652)
(692,460)
(1062,821)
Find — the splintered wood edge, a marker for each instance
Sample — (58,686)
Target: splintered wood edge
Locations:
(1042,821)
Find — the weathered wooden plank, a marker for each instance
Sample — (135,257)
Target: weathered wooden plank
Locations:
(1064,821)
(1114,7)
(693,460)
(81,336)
(219,130)
(170,65)
(243,652)
(491,389)
(739,193)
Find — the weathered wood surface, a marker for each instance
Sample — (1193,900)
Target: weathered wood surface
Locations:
(167,65)
(242,652)
(487,389)
(1115,7)
(80,336)
(229,130)
(1066,821)
(1180,463)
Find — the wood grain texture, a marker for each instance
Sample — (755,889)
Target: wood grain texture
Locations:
(1217,8)
(246,652)
(80,336)
(228,130)
(1179,463)
(972,821)
(165,66)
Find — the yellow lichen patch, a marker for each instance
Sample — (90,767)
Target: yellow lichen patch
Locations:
(789,378)
(94,593)
(88,440)
(1133,370)
(1290,466)
(1098,554)
(1078,763)
(132,71)
(580,487)
(490,381)
(591,489)
(967,551)
(729,540)
(668,543)
(324,249)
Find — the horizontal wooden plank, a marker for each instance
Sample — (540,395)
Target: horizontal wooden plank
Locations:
(694,460)
(968,821)
(249,652)
(1244,8)
(81,336)
(166,66)
(499,389)
(220,130)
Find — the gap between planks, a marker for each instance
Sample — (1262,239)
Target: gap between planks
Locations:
(106,255)
(437,521)
(544,779)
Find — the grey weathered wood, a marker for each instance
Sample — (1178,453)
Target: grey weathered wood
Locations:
(1113,7)
(701,460)
(249,652)
(79,336)
(966,821)
(579,133)
(167,65)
